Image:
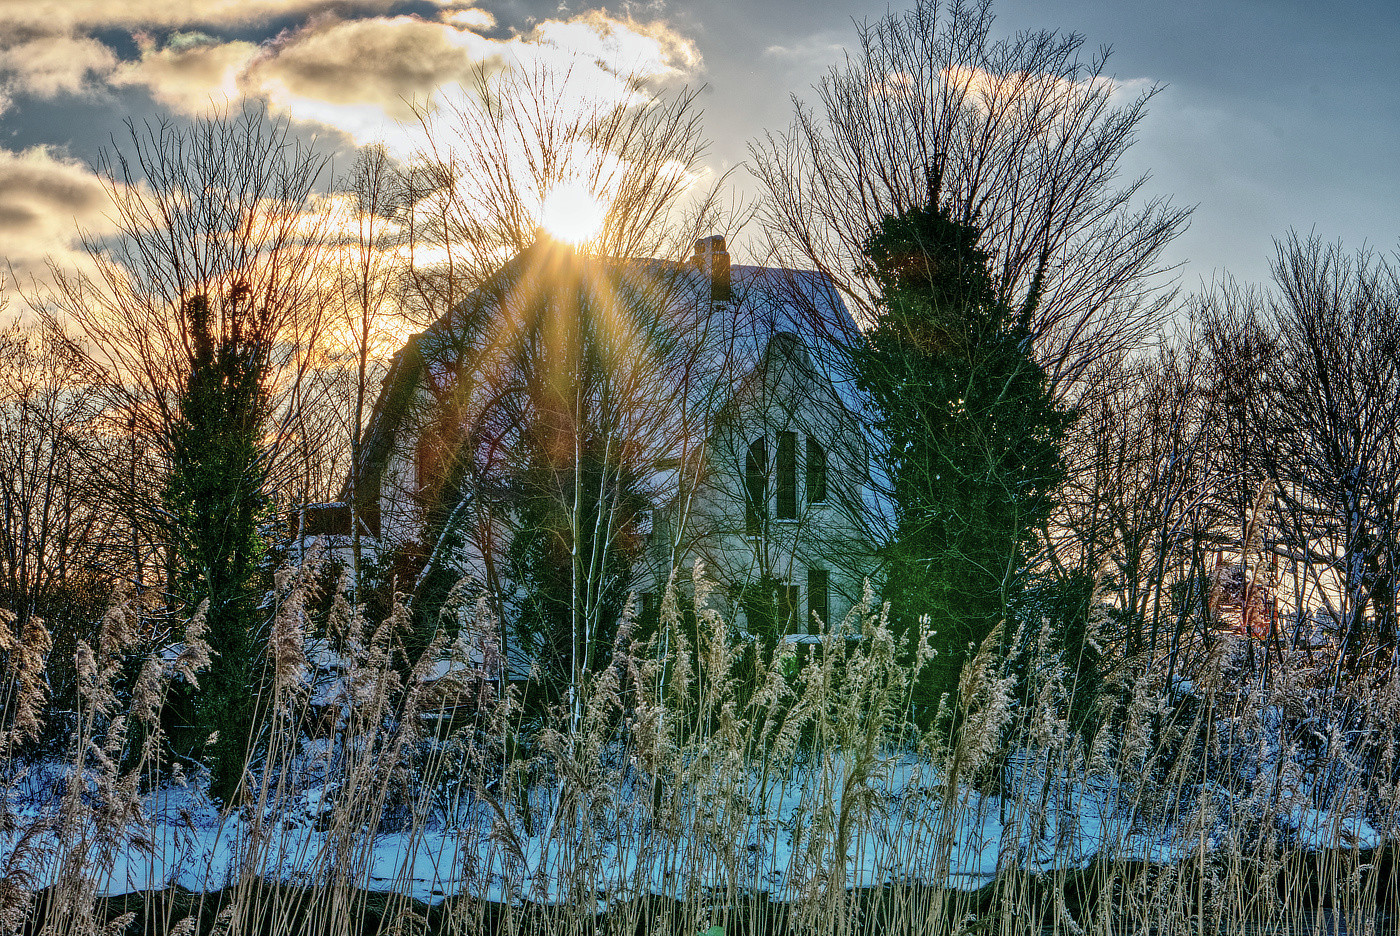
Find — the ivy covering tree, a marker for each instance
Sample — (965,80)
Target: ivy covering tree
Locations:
(972,436)
(200,320)
(215,497)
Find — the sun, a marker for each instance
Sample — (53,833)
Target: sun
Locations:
(571,212)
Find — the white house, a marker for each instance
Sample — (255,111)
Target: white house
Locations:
(723,388)
(781,498)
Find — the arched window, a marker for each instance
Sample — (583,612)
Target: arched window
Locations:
(430,462)
(756,487)
(816,472)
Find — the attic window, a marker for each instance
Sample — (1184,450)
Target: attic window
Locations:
(787,476)
(816,472)
(756,487)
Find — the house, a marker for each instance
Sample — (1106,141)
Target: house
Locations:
(704,410)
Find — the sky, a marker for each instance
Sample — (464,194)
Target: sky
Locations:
(1273,115)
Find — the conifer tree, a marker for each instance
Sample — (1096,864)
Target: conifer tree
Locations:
(215,497)
(972,435)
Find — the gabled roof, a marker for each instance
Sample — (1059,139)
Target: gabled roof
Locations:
(769,301)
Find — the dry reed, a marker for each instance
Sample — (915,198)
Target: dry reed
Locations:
(696,790)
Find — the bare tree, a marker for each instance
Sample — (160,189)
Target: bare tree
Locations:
(369,247)
(62,544)
(1142,510)
(494,157)
(1020,137)
(220,209)
(1313,369)
(54,533)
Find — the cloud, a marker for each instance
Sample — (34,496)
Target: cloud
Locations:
(812,52)
(66,17)
(44,200)
(344,53)
(46,46)
(1126,90)
(468,17)
(189,77)
(362,76)
(984,88)
(624,47)
(346,65)
(384,63)
(48,66)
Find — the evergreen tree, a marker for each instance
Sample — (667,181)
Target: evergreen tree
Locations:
(972,432)
(215,497)
(200,319)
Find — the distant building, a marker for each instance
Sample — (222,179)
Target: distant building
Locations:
(1243,598)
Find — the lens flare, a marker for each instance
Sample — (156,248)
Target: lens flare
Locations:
(572,213)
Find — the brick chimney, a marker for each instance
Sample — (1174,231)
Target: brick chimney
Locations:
(712,259)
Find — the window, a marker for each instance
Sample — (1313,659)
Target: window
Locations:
(816,473)
(756,487)
(788,604)
(818,598)
(787,476)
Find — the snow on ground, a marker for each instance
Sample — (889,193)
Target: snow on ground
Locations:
(904,820)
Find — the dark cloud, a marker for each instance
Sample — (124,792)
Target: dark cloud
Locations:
(16,216)
(47,66)
(36,177)
(67,17)
(381,62)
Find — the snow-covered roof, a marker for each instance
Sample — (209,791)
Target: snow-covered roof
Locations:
(763,302)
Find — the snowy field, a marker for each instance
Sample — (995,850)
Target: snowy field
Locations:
(777,837)
(694,776)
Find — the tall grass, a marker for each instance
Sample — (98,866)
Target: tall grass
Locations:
(702,787)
